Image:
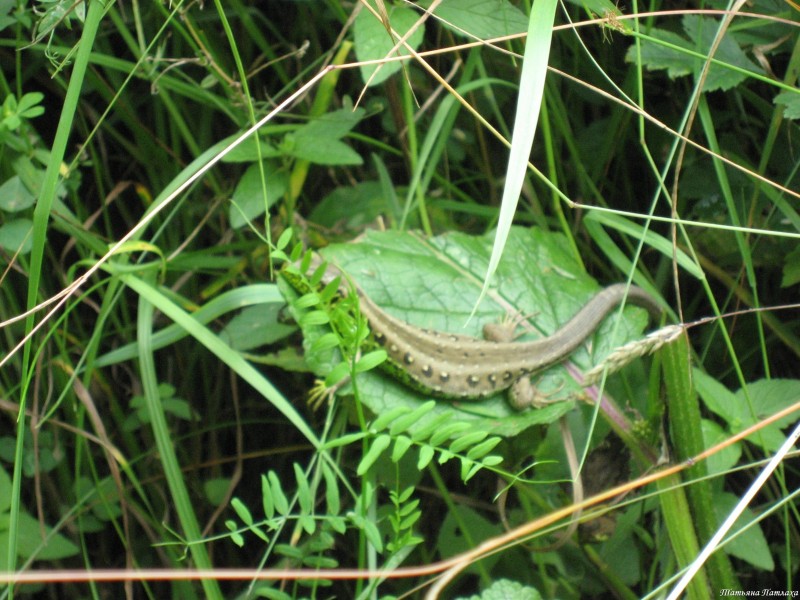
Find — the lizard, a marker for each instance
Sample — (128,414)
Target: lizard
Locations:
(455,366)
(461,367)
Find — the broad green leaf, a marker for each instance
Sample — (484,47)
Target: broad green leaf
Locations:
(353,207)
(657,56)
(331,126)
(701,30)
(249,151)
(319,141)
(791,109)
(373,41)
(14,195)
(597,7)
(247,202)
(31,543)
(325,151)
(670,51)
(716,396)
(32,175)
(6,6)
(15,235)
(451,539)
(750,545)
(719,462)
(256,326)
(481,19)
(767,397)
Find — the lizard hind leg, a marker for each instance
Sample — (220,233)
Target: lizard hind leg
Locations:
(523,394)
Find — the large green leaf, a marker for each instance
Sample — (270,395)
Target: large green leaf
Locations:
(32,544)
(373,41)
(481,19)
(678,55)
(319,141)
(750,545)
(248,201)
(746,407)
(14,196)
(434,283)
(15,235)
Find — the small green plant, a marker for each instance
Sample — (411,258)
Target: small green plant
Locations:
(21,177)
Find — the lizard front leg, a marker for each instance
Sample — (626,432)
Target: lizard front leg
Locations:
(522,394)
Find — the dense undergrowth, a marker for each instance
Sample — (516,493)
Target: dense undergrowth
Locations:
(156,414)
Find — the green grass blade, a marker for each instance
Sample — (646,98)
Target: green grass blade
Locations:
(262,293)
(166,450)
(222,351)
(529,102)
(41,218)
(685,418)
